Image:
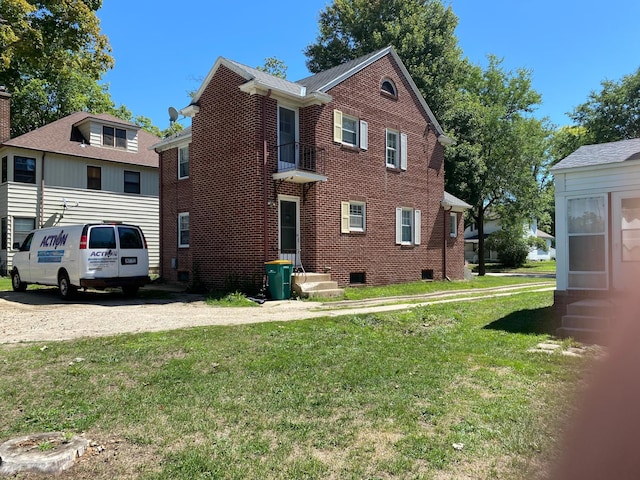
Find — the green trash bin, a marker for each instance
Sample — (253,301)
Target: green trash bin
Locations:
(279,278)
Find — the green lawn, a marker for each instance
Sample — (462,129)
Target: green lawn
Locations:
(362,396)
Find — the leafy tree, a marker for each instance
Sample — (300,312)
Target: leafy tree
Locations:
(421,32)
(511,246)
(274,66)
(614,112)
(52,56)
(500,159)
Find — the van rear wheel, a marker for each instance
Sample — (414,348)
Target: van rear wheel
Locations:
(65,288)
(16,282)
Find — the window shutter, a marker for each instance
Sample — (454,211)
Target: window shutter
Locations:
(345,213)
(403,151)
(337,126)
(364,135)
(398,226)
(417,227)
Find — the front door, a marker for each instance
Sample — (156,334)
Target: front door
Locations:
(626,239)
(289,229)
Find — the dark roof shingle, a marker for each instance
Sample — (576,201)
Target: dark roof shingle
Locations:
(58,137)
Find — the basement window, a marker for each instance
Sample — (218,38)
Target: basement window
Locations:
(427,274)
(357,278)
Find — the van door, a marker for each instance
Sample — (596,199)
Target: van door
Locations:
(134,257)
(102,252)
(22,259)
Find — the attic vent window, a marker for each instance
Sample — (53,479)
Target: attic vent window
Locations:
(389,88)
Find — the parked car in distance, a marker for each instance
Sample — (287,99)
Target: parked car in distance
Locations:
(82,256)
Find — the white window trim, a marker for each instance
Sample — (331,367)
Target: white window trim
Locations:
(180,217)
(396,163)
(180,147)
(416,226)
(453,224)
(345,221)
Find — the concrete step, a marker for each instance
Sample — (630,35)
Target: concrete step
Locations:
(586,322)
(327,293)
(590,307)
(311,277)
(581,334)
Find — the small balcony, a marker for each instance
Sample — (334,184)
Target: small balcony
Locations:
(300,163)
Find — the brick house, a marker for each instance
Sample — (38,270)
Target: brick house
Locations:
(82,168)
(340,172)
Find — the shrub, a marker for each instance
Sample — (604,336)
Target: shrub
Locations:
(511,246)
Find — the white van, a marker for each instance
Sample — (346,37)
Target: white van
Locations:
(82,256)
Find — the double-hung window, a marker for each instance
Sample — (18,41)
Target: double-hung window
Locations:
(353,217)
(453,224)
(408,226)
(94,178)
(349,130)
(4,169)
(131,182)
(396,149)
(183,162)
(183,230)
(24,169)
(21,228)
(587,229)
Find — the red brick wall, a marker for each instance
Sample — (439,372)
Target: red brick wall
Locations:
(5,117)
(176,198)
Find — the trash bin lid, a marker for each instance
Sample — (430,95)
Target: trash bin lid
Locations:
(279,262)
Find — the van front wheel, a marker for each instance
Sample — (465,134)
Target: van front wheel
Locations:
(16,282)
(65,288)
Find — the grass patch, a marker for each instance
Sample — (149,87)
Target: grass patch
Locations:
(236,299)
(543,266)
(358,396)
(420,287)
(5,283)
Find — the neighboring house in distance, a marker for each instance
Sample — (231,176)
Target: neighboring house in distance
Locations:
(597,228)
(82,168)
(341,172)
(493,225)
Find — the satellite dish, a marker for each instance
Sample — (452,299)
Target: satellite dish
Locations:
(173,114)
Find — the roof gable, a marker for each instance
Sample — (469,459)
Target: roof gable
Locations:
(316,87)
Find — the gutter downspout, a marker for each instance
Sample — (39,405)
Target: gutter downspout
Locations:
(444,240)
(265,196)
(42,193)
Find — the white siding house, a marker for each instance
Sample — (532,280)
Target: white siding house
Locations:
(493,225)
(597,222)
(83,168)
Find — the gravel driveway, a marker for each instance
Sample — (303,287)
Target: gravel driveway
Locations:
(40,315)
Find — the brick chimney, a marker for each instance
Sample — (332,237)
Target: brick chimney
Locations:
(5,115)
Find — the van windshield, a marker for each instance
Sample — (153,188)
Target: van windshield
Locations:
(102,237)
(130,238)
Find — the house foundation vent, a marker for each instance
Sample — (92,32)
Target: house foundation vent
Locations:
(357,278)
(427,274)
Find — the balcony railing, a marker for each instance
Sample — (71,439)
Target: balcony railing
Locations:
(301,157)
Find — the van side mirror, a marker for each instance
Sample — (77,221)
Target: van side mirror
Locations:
(16,245)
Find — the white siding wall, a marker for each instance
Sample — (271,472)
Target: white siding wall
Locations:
(92,207)
(72,172)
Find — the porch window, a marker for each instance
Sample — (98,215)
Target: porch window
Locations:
(630,229)
(4,169)
(586,229)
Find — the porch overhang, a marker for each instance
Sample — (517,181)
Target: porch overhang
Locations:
(299,176)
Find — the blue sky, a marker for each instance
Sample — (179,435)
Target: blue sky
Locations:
(163,49)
